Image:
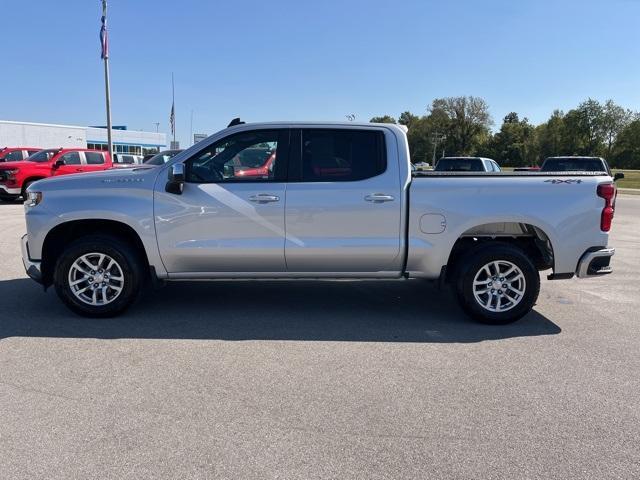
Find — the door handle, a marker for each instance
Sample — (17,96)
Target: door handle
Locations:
(78,169)
(379,198)
(264,198)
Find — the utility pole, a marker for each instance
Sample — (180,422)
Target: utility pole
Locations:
(104,41)
(437,137)
(157,124)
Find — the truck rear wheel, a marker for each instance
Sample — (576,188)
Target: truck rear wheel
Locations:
(98,276)
(497,283)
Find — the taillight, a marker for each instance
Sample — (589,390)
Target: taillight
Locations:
(608,192)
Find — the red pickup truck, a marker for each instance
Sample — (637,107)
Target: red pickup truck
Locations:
(15,177)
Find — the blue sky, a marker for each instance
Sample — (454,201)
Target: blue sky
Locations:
(294,59)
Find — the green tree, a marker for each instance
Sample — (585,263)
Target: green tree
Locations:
(550,136)
(615,119)
(408,119)
(466,121)
(515,144)
(626,151)
(383,119)
(584,131)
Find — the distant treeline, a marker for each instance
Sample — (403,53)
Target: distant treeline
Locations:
(462,126)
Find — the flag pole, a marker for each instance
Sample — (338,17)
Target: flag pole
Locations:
(105,57)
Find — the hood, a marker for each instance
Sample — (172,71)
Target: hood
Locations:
(16,164)
(101,179)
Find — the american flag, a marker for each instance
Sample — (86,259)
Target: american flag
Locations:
(172,119)
(104,36)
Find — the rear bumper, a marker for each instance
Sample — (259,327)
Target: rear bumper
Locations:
(595,262)
(4,190)
(32,267)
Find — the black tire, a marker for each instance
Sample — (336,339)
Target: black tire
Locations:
(25,185)
(472,264)
(128,261)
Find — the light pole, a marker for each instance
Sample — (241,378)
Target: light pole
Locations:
(157,124)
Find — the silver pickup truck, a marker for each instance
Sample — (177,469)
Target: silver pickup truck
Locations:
(314,200)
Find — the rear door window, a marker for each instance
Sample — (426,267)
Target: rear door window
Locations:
(94,158)
(342,155)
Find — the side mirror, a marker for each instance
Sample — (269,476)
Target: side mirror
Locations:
(618,176)
(58,163)
(175,184)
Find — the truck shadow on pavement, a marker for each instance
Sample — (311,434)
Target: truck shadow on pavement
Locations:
(350,311)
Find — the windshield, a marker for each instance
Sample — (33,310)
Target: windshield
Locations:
(459,165)
(43,155)
(573,165)
(162,157)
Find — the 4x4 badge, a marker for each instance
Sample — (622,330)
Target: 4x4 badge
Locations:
(557,180)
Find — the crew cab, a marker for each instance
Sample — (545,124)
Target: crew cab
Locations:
(466,164)
(16,176)
(15,154)
(340,201)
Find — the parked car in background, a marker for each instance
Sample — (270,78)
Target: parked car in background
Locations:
(126,159)
(15,177)
(162,157)
(526,169)
(578,164)
(466,164)
(15,154)
(254,162)
(340,202)
(422,166)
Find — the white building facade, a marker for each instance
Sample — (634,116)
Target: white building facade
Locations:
(25,134)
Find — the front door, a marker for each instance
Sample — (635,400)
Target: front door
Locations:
(72,164)
(230,215)
(343,212)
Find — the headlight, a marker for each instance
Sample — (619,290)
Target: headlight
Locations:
(9,173)
(33,199)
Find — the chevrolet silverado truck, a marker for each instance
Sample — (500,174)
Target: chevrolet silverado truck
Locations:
(340,201)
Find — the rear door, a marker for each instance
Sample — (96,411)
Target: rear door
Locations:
(343,211)
(94,161)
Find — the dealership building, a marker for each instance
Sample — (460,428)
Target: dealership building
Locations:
(43,135)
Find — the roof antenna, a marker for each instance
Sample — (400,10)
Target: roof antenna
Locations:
(234,122)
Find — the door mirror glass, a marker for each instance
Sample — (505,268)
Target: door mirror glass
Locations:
(175,183)
(58,163)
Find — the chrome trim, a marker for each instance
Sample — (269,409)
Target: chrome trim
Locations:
(32,267)
(583,265)
(10,191)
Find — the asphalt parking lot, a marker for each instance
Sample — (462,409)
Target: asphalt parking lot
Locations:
(310,380)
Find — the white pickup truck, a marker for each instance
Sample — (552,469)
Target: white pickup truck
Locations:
(315,200)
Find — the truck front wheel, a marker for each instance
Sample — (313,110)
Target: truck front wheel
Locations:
(497,283)
(98,276)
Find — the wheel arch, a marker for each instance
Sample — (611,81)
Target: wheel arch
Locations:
(64,233)
(530,238)
(31,179)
